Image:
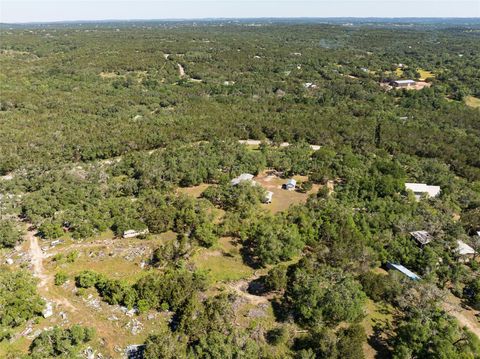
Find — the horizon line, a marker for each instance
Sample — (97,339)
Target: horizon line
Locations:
(477,18)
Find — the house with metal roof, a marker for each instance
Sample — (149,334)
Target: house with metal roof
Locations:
(422,237)
(407,272)
(403,83)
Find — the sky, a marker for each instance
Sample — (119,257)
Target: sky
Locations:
(69,10)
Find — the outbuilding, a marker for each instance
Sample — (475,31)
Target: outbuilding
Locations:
(405,271)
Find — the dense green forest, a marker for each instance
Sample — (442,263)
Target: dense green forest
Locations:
(102,128)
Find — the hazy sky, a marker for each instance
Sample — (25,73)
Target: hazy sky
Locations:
(58,10)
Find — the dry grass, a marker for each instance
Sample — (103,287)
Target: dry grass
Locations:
(472,101)
(424,74)
(109,75)
(194,191)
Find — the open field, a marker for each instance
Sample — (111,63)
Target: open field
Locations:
(222,262)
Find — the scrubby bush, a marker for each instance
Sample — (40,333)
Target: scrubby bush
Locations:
(60,278)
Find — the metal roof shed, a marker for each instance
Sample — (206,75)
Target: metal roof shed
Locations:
(403,270)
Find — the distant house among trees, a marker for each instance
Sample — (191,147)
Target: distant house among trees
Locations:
(422,237)
(419,189)
(403,83)
(244,177)
(131,233)
(464,249)
(403,270)
(290,185)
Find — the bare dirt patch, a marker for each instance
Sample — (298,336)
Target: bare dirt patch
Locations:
(282,199)
(465,316)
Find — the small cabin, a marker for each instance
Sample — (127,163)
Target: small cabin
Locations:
(290,185)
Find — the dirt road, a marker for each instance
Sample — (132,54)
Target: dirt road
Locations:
(37,256)
(181,70)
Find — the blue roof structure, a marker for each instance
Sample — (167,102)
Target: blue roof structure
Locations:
(403,270)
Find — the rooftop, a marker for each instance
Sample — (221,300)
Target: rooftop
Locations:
(432,191)
(403,270)
(422,237)
(404,82)
(464,249)
(243,177)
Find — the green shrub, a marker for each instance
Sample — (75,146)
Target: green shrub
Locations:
(60,278)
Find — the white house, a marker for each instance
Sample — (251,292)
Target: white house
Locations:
(403,83)
(464,249)
(244,177)
(131,233)
(419,189)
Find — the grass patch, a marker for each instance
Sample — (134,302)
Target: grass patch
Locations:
(194,191)
(424,74)
(114,268)
(222,267)
(472,101)
(376,314)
